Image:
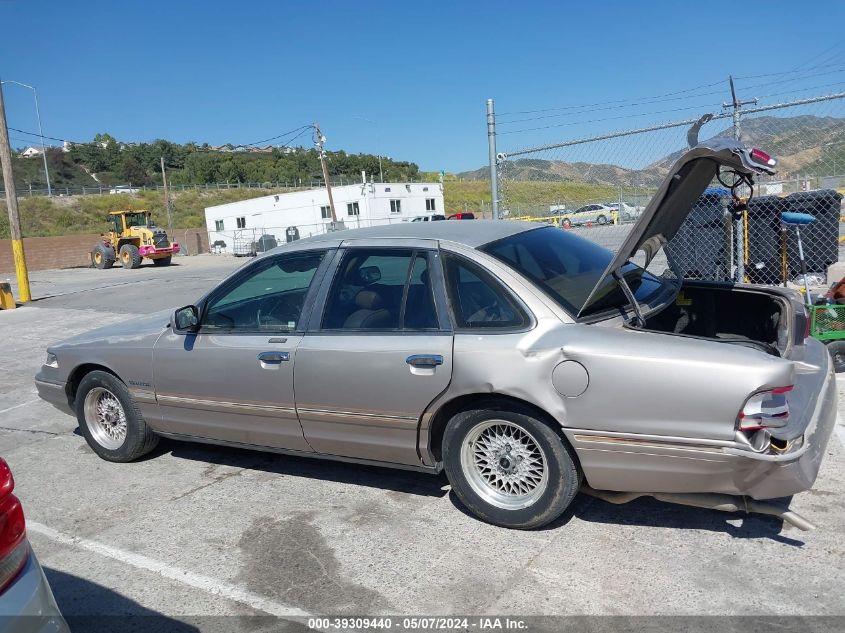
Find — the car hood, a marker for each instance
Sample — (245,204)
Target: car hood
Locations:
(131,332)
(677,195)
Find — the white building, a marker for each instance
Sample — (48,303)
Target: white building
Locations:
(299,214)
(31,152)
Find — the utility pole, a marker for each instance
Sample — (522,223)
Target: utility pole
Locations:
(319,142)
(12,206)
(491,142)
(739,223)
(167,200)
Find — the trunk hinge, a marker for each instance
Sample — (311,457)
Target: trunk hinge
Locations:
(638,320)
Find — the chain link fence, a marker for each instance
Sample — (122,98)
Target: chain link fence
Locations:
(251,241)
(597,187)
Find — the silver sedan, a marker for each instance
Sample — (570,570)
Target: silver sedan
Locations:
(525,361)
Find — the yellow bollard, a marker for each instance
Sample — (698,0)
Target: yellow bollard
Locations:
(20,269)
(7,301)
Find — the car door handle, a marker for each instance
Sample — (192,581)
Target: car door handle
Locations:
(273,358)
(424,360)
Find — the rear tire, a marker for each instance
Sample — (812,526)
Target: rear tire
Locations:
(163,261)
(566,223)
(509,468)
(102,256)
(130,256)
(110,420)
(837,355)
(602,220)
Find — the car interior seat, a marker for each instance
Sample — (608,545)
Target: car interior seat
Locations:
(370,314)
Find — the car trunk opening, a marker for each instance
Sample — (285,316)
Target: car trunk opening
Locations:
(721,312)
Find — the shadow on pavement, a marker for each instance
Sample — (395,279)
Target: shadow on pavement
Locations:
(649,512)
(92,608)
(409,482)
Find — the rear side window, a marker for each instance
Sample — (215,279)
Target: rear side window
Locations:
(381,289)
(477,300)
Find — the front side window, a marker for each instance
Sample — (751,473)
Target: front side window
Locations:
(396,206)
(352,208)
(381,289)
(478,301)
(268,299)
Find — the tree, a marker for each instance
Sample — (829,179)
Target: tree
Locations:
(133,172)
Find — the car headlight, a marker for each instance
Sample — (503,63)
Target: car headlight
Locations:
(52,361)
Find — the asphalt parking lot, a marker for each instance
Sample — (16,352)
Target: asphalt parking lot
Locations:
(197,530)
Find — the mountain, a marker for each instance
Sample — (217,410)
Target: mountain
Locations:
(806,143)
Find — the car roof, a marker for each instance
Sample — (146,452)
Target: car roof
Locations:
(473,233)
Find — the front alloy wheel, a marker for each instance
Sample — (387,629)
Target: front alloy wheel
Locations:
(110,419)
(105,418)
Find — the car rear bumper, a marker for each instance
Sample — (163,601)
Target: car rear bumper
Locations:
(152,251)
(54,392)
(28,606)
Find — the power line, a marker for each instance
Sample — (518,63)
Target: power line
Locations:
(273,138)
(570,107)
(614,118)
(616,107)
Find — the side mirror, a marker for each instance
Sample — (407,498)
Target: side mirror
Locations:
(186,319)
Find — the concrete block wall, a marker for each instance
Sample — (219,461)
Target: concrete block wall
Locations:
(71,251)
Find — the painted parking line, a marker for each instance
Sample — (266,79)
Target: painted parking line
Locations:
(197,581)
(18,406)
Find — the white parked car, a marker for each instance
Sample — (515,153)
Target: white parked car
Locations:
(589,214)
(123,189)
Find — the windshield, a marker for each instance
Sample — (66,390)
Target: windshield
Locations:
(567,268)
(137,219)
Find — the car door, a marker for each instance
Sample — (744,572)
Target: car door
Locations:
(233,379)
(376,355)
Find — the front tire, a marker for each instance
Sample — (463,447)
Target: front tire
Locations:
(837,355)
(163,261)
(102,256)
(566,223)
(602,220)
(509,468)
(110,420)
(130,256)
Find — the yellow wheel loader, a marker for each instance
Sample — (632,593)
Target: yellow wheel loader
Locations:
(132,237)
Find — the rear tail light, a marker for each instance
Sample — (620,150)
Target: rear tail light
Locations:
(14,548)
(765,409)
(761,157)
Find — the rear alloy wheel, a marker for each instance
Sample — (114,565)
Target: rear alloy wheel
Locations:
(163,261)
(837,355)
(130,256)
(110,420)
(601,220)
(509,468)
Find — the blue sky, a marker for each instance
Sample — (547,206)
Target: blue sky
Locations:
(408,80)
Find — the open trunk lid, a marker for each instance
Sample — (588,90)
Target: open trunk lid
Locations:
(677,195)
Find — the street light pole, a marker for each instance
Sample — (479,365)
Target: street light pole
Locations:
(40,131)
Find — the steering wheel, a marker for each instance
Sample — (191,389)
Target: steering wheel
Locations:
(270,318)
